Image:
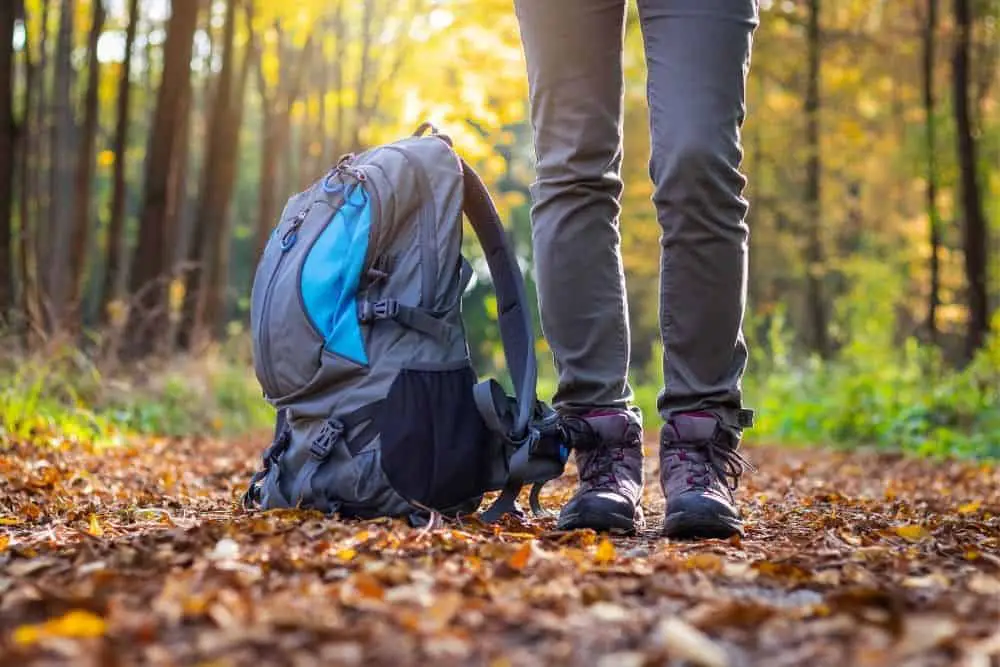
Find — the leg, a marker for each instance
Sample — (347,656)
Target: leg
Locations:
(698,54)
(573,50)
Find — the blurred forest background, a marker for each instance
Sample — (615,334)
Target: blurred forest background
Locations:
(147,147)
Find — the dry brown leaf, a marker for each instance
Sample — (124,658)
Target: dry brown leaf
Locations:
(684,641)
(519,559)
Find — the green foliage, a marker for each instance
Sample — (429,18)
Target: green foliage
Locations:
(65,397)
(901,397)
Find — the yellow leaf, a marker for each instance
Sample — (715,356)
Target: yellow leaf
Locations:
(9,521)
(78,624)
(4,543)
(707,562)
(95,526)
(605,552)
(346,554)
(970,508)
(105,159)
(912,532)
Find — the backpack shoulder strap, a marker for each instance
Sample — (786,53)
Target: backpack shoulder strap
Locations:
(513,315)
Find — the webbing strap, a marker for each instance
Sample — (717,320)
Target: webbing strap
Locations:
(419,319)
(516,332)
(332,432)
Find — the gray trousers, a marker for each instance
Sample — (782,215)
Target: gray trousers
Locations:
(698,55)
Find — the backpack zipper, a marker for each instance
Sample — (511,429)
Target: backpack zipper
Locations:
(288,240)
(428,231)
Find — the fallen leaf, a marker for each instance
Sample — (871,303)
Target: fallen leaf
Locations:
(607,612)
(4,542)
(9,521)
(77,624)
(684,641)
(929,581)
(922,632)
(912,532)
(225,549)
(605,552)
(519,559)
(346,554)
(368,586)
(622,659)
(443,610)
(970,507)
(94,527)
(984,584)
(704,561)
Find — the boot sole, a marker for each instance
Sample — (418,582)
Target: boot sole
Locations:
(615,524)
(691,526)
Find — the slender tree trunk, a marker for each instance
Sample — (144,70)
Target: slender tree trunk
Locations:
(60,170)
(975,235)
(340,35)
(367,38)
(322,157)
(116,224)
(148,314)
(8,135)
(814,245)
(933,217)
(200,252)
(265,188)
(215,304)
(84,172)
(40,176)
(27,155)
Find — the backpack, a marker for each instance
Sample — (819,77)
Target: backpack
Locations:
(359,344)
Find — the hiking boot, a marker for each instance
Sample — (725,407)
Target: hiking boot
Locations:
(699,471)
(608,449)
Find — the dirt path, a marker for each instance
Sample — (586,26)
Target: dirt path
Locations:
(139,556)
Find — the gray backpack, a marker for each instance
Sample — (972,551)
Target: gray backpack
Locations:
(358,341)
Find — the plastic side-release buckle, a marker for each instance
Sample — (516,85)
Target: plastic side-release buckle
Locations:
(745,418)
(329,434)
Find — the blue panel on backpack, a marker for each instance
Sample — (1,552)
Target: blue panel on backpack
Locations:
(330,277)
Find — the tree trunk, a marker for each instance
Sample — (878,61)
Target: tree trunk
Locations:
(116,224)
(933,217)
(84,172)
(340,35)
(8,133)
(218,277)
(148,312)
(277,107)
(975,237)
(57,226)
(814,245)
(28,156)
(41,153)
(265,188)
(367,39)
(200,251)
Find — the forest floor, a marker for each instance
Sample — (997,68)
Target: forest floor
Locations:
(141,555)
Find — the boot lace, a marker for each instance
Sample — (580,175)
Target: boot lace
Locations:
(711,456)
(598,467)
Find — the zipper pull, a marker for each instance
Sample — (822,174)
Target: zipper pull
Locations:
(292,235)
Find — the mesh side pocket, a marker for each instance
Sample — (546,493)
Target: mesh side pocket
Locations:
(435,446)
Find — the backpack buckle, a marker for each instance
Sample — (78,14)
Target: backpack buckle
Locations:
(384,309)
(329,434)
